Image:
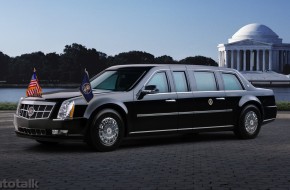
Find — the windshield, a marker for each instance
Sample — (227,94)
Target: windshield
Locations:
(117,80)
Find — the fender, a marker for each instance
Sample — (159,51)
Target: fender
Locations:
(248,98)
(100,102)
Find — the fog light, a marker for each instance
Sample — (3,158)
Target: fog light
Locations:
(59,132)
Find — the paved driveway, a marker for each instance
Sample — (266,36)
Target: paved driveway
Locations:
(206,161)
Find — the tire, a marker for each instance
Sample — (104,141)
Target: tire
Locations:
(47,143)
(106,131)
(249,123)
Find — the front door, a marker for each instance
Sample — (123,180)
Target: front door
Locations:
(157,112)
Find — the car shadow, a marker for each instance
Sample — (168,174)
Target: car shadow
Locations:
(177,139)
(135,142)
(66,147)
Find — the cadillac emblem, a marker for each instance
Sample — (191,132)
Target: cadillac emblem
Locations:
(210,101)
(30,111)
(86,88)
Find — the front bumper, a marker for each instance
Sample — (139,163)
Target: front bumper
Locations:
(44,129)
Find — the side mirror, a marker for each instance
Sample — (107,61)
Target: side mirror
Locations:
(150,89)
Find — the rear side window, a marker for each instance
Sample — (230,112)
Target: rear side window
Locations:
(160,80)
(231,82)
(205,81)
(180,81)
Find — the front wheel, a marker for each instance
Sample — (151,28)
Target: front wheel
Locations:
(107,131)
(249,123)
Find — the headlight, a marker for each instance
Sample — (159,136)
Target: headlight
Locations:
(18,106)
(66,110)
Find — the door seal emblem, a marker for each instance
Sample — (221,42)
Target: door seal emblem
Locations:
(210,101)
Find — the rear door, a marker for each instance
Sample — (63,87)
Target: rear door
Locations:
(234,90)
(210,108)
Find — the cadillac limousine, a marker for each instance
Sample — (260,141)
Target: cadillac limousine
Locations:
(131,100)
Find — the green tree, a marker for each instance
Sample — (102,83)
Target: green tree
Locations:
(132,57)
(4,66)
(21,67)
(199,60)
(165,59)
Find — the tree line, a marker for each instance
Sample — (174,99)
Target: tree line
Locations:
(68,67)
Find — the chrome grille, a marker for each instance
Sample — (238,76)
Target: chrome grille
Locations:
(29,131)
(35,110)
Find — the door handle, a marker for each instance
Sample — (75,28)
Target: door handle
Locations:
(220,98)
(170,100)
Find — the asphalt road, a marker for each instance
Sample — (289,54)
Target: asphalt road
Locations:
(206,161)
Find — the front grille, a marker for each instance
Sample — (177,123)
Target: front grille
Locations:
(32,131)
(35,110)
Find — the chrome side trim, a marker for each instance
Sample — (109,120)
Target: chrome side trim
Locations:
(157,114)
(181,129)
(200,112)
(154,131)
(185,92)
(272,119)
(162,93)
(271,106)
(183,113)
(211,127)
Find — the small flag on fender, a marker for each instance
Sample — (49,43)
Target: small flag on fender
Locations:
(34,90)
(86,88)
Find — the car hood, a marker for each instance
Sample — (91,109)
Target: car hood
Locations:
(63,94)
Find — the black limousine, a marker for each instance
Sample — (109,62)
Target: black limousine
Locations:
(131,100)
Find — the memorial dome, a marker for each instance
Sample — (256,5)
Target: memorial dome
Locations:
(256,32)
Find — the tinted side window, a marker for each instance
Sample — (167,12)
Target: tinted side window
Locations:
(231,82)
(160,80)
(180,81)
(205,81)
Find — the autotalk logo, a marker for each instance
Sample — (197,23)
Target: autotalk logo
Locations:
(19,184)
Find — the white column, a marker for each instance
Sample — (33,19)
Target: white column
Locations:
(252,60)
(258,60)
(232,58)
(226,59)
(287,57)
(245,58)
(283,61)
(219,58)
(238,60)
(264,59)
(222,59)
(270,60)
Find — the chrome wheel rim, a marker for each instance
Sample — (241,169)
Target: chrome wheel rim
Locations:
(251,122)
(108,131)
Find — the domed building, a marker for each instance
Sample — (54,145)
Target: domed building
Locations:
(254,47)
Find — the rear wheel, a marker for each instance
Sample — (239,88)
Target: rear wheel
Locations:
(107,131)
(249,123)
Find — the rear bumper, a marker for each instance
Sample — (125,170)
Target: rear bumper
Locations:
(46,129)
(270,114)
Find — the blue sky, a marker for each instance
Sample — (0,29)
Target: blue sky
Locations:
(178,28)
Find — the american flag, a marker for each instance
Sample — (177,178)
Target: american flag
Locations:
(34,90)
